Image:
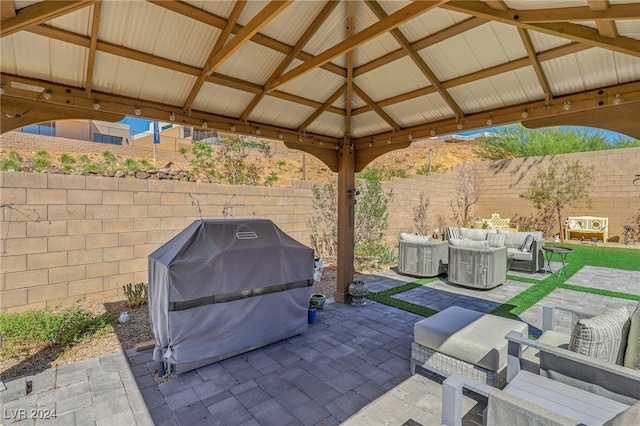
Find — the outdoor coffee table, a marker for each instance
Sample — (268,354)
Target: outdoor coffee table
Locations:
(562,251)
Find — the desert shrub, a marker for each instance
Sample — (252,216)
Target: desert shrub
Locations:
(12,162)
(68,162)
(41,161)
(109,157)
(420,215)
(136,295)
(131,164)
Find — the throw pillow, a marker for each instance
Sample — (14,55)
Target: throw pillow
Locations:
(414,238)
(632,353)
(526,245)
(453,232)
(462,242)
(495,239)
(603,336)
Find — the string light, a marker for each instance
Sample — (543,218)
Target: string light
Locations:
(525,114)
(489,121)
(567,106)
(460,125)
(618,99)
(137,111)
(96,106)
(280,135)
(433,131)
(233,128)
(258,131)
(410,136)
(172,117)
(204,125)
(46,95)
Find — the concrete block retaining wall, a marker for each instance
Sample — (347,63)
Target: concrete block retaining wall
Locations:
(68,237)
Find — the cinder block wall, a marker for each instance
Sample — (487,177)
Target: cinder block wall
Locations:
(67,237)
(613,194)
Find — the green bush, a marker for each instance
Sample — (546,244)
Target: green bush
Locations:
(109,157)
(41,161)
(12,162)
(47,327)
(131,164)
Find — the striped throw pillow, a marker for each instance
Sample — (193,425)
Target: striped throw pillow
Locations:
(603,337)
(453,232)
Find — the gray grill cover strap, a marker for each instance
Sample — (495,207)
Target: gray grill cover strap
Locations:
(238,295)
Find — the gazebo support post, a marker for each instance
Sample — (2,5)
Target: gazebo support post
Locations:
(346,220)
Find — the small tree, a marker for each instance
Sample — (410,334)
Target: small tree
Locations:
(468,191)
(560,185)
(204,162)
(420,218)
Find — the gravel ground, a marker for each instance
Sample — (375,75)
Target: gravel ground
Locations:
(122,336)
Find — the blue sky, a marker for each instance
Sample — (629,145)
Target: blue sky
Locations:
(139,125)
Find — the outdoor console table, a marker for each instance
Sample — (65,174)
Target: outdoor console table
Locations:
(562,251)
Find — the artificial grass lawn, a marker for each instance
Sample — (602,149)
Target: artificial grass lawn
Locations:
(609,257)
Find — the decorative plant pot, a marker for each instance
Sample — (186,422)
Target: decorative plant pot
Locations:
(358,291)
(312,316)
(320,300)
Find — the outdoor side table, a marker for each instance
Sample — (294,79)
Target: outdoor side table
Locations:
(562,252)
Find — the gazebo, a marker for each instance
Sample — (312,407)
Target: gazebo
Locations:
(345,81)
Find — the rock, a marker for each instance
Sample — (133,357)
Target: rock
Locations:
(142,175)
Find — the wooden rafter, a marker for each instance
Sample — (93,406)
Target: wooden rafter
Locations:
(349,85)
(386,117)
(40,12)
(382,26)
(418,61)
(607,28)
(200,15)
(220,42)
(565,30)
(533,59)
(95,23)
(309,32)
(598,10)
(497,4)
(325,107)
(7,10)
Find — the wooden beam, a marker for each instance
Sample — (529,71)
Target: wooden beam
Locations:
(302,41)
(573,32)
(533,60)
(7,10)
(349,84)
(497,4)
(208,69)
(95,23)
(40,12)
(423,43)
(200,15)
(375,107)
(574,14)
(327,104)
(382,26)
(606,28)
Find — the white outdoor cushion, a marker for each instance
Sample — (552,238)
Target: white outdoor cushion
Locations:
(519,255)
(470,336)
(495,239)
(473,234)
(413,238)
(603,336)
(459,242)
(632,353)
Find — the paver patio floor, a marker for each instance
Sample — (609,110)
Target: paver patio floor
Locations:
(351,367)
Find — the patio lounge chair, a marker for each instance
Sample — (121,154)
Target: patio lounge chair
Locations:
(421,256)
(572,388)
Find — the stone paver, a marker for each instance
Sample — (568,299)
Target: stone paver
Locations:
(351,367)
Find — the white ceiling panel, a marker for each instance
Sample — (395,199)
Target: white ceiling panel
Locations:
(374,49)
(368,123)
(429,23)
(419,110)
(68,63)
(328,124)
(302,13)
(630,28)
(78,22)
(221,100)
(542,42)
(219,8)
(528,82)
(596,68)
(484,95)
(407,77)
(316,85)
(484,45)
(143,26)
(541,4)
(564,75)
(509,40)
(451,58)
(32,55)
(512,91)
(185,40)
(280,112)
(627,67)
(332,32)
(165,86)
(252,62)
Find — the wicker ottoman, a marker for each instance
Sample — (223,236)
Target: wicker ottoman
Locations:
(459,340)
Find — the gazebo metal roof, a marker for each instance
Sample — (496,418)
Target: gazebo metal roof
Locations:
(346,81)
